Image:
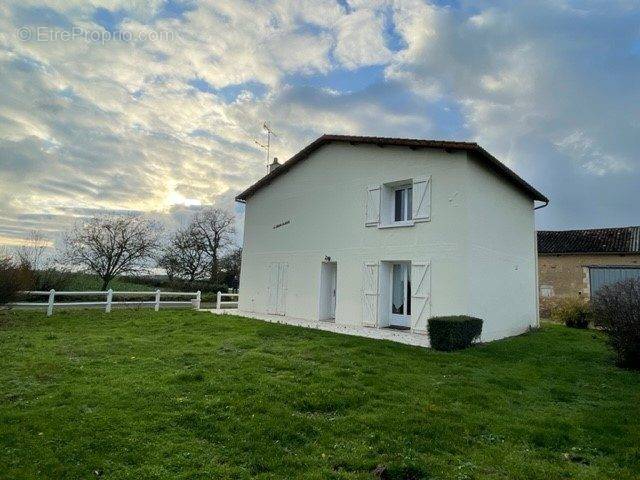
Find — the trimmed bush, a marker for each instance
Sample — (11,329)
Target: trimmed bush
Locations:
(454,332)
(616,309)
(573,312)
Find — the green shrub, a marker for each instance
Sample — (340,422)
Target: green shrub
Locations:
(573,312)
(616,309)
(13,278)
(454,333)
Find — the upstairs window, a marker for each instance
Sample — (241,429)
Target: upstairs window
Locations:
(402,203)
(399,203)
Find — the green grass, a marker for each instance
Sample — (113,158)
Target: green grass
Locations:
(184,394)
(88,282)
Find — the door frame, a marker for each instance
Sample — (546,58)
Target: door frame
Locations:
(327,296)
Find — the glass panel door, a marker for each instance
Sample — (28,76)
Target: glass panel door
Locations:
(400,295)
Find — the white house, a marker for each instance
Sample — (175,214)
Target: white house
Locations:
(376,233)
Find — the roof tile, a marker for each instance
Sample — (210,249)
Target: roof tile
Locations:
(412,143)
(600,240)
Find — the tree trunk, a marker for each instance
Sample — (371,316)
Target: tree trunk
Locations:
(214,268)
(105,283)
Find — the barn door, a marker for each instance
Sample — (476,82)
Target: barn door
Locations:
(420,296)
(282,288)
(277,288)
(370,295)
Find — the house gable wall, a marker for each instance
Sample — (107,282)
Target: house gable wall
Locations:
(317,210)
(502,254)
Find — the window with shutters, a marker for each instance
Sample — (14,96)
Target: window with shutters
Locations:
(399,203)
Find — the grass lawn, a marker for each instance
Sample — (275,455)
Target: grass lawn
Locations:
(185,394)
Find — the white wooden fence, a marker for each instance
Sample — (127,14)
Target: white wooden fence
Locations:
(156,302)
(228,304)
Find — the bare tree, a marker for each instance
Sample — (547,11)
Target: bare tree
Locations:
(214,229)
(230,267)
(36,261)
(112,245)
(185,255)
(32,254)
(169,262)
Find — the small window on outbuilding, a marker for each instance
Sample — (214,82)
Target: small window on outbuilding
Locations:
(546,291)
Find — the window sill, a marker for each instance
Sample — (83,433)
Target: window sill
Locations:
(408,223)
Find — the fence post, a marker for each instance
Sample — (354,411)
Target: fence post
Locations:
(52,296)
(157,305)
(198,298)
(107,309)
(218,299)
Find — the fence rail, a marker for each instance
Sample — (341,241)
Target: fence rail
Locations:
(229,304)
(109,294)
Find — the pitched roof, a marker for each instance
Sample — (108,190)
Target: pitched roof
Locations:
(600,240)
(412,143)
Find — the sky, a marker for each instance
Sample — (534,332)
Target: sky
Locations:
(154,106)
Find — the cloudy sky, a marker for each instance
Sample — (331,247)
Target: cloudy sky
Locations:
(109,105)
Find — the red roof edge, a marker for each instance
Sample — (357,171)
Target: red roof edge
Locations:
(472,147)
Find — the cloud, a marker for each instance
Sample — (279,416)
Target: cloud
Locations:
(550,87)
(360,39)
(155,106)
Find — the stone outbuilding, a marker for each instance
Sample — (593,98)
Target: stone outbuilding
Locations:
(576,263)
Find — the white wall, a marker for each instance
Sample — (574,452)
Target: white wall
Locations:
(324,199)
(502,254)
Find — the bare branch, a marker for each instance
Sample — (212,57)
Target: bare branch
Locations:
(32,253)
(185,256)
(214,229)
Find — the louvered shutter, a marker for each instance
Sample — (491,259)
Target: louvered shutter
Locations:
(370,295)
(420,296)
(372,214)
(421,199)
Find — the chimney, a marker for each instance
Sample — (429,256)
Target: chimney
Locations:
(274,165)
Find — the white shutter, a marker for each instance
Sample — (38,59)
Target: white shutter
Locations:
(421,199)
(282,288)
(420,296)
(372,214)
(272,289)
(370,295)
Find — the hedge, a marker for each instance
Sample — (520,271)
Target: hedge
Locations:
(454,332)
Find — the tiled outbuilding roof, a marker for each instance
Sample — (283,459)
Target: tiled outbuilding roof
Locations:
(412,143)
(599,240)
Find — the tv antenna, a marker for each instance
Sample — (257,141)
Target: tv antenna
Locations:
(267,147)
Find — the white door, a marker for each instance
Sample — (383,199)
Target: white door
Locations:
(277,288)
(282,289)
(272,289)
(334,285)
(400,295)
(328,283)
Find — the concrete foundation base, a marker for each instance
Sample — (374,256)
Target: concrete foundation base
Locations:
(406,337)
